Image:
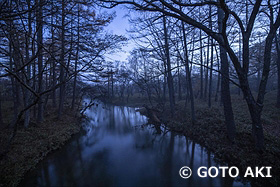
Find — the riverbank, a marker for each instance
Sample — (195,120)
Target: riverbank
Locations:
(32,144)
(210,132)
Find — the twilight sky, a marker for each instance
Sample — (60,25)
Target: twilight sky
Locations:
(119,26)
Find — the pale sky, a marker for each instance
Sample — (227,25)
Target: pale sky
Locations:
(119,26)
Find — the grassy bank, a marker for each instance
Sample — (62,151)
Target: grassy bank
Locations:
(210,131)
(32,144)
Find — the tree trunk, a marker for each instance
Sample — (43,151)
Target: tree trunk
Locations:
(240,58)
(219,79)
(108,88)
(1,116)
(53,83)
(159,89)
(201,62)
(13,81)
(255,107)
(27,94)
(53,63)
(278,87)
(76,62)
(257,128)
(188,75)
(278,71)
(62,63)
(207,70)
(226,98)
(179,81)
(34,81)
(164,81)
(112,86)
(39,20)
(169,73)
(211,63)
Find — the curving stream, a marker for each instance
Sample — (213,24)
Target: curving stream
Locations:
(116,148)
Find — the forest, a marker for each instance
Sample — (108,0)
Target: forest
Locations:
(209,70)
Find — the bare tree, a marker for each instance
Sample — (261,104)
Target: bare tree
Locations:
(172,9)
(225,96)
(169,74)
(278,70)
(39,23)
(188,74)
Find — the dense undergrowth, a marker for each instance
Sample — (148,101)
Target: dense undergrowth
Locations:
(32,144)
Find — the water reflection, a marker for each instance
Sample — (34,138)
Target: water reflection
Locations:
(116,149)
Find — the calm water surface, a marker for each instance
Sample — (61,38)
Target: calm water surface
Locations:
(116,148)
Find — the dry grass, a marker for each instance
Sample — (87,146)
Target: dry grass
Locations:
(32,144)
(210,131)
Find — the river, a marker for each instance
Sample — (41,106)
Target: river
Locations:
(117,148)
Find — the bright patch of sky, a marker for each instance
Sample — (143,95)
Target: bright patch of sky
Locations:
(119,26)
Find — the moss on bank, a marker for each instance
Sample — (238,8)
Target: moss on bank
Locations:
(32,144)
(210,131)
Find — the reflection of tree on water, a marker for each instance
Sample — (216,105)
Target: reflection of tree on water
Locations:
(80,157)
(191,164)
(228,181)
(168,160)
(139,156)
(209,165)
(144,140)
(46,174)
(111,124)
(187,149)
